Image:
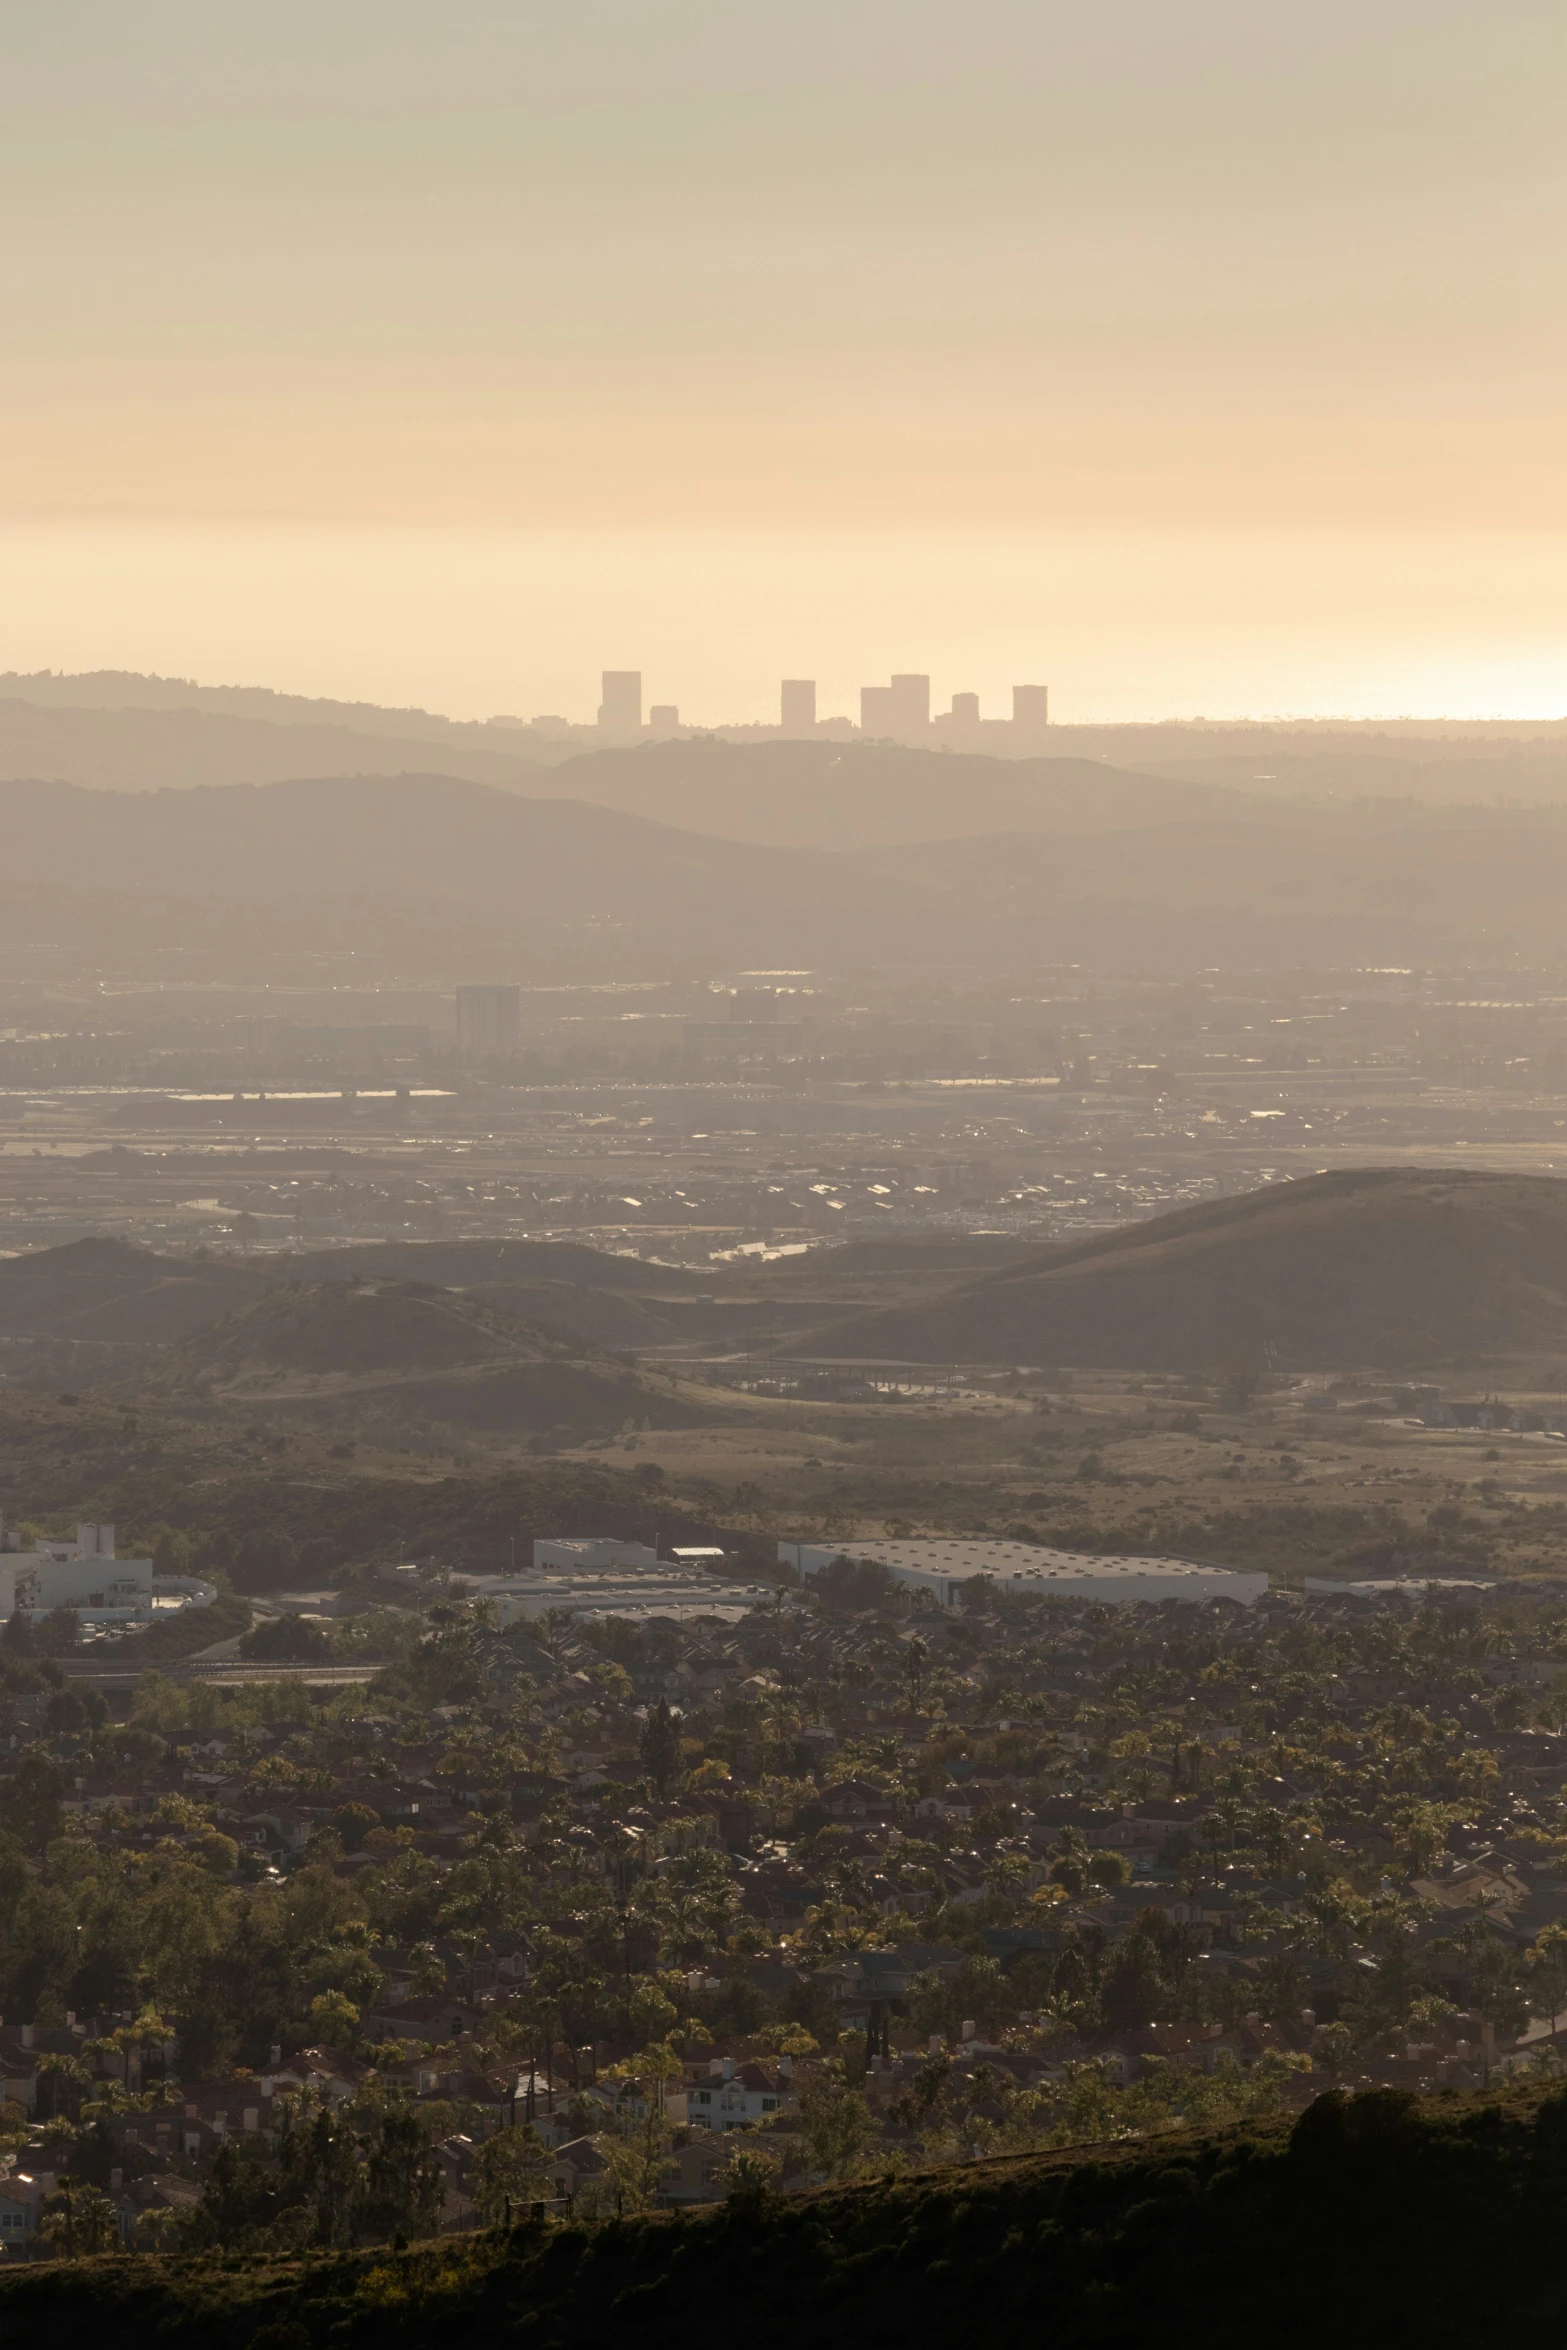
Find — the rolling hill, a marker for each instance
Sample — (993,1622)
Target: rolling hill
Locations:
(400,871)
(328,1332)
(566,1289)
(335,1351)
(782,794)
(1391,1267)
(828,795)
(111,1293)
(106,1297)
(1386,1266)
(116,1297)
(131,750)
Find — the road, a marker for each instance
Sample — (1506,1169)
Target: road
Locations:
(218,1672)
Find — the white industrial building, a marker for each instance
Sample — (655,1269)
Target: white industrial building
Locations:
(89,1578)
(941,1568)
(597,1575)
(590,1553)
(643,1595)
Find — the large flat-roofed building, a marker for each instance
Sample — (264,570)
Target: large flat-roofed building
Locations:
(589,1554)
(641,1594)
(599,1575)
(941,1568)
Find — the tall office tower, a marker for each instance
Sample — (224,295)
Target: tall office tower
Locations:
(910,708)
(965,710)
(1030,712)
(876,709)
(797,705)
(489,1022)
(620,712)
(663,722)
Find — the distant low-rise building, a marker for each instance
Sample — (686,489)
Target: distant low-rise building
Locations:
(589,1553)
(941,1568)
(588,1579)
(88,1577)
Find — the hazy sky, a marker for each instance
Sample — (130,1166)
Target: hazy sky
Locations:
(1187,355)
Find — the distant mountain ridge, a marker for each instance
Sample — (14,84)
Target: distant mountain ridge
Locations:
(781,794)
(381,865)
(118,730)
(121,690)
(157,749)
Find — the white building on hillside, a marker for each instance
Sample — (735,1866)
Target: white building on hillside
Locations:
(942,1568)
(89,1578)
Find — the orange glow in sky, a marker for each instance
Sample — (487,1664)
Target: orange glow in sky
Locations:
(1203,356)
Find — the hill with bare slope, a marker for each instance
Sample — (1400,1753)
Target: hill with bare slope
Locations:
(1392,1266)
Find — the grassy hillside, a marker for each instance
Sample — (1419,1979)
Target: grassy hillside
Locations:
(117,1295)
(400,1351)
(350,1329)
(476,1264)
(1377,2220)
(111,1291)
(1387,1266)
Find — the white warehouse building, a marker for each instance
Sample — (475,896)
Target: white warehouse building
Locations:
(941,1568)
(89,1578)
(588,1554)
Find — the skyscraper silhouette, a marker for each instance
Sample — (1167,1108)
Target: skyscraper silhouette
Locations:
(797,705)
(620,711)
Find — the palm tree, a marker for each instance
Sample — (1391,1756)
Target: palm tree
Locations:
(156,2229)
(79,2217)
(57,2069)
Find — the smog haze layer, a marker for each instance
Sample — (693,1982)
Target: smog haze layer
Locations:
(1204,359)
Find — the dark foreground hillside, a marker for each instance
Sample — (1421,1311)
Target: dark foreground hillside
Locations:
(1377,2220)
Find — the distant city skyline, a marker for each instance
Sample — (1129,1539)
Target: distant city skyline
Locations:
(899,711)
(1126,626)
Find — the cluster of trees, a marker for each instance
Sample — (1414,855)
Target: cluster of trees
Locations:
(360,2172)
